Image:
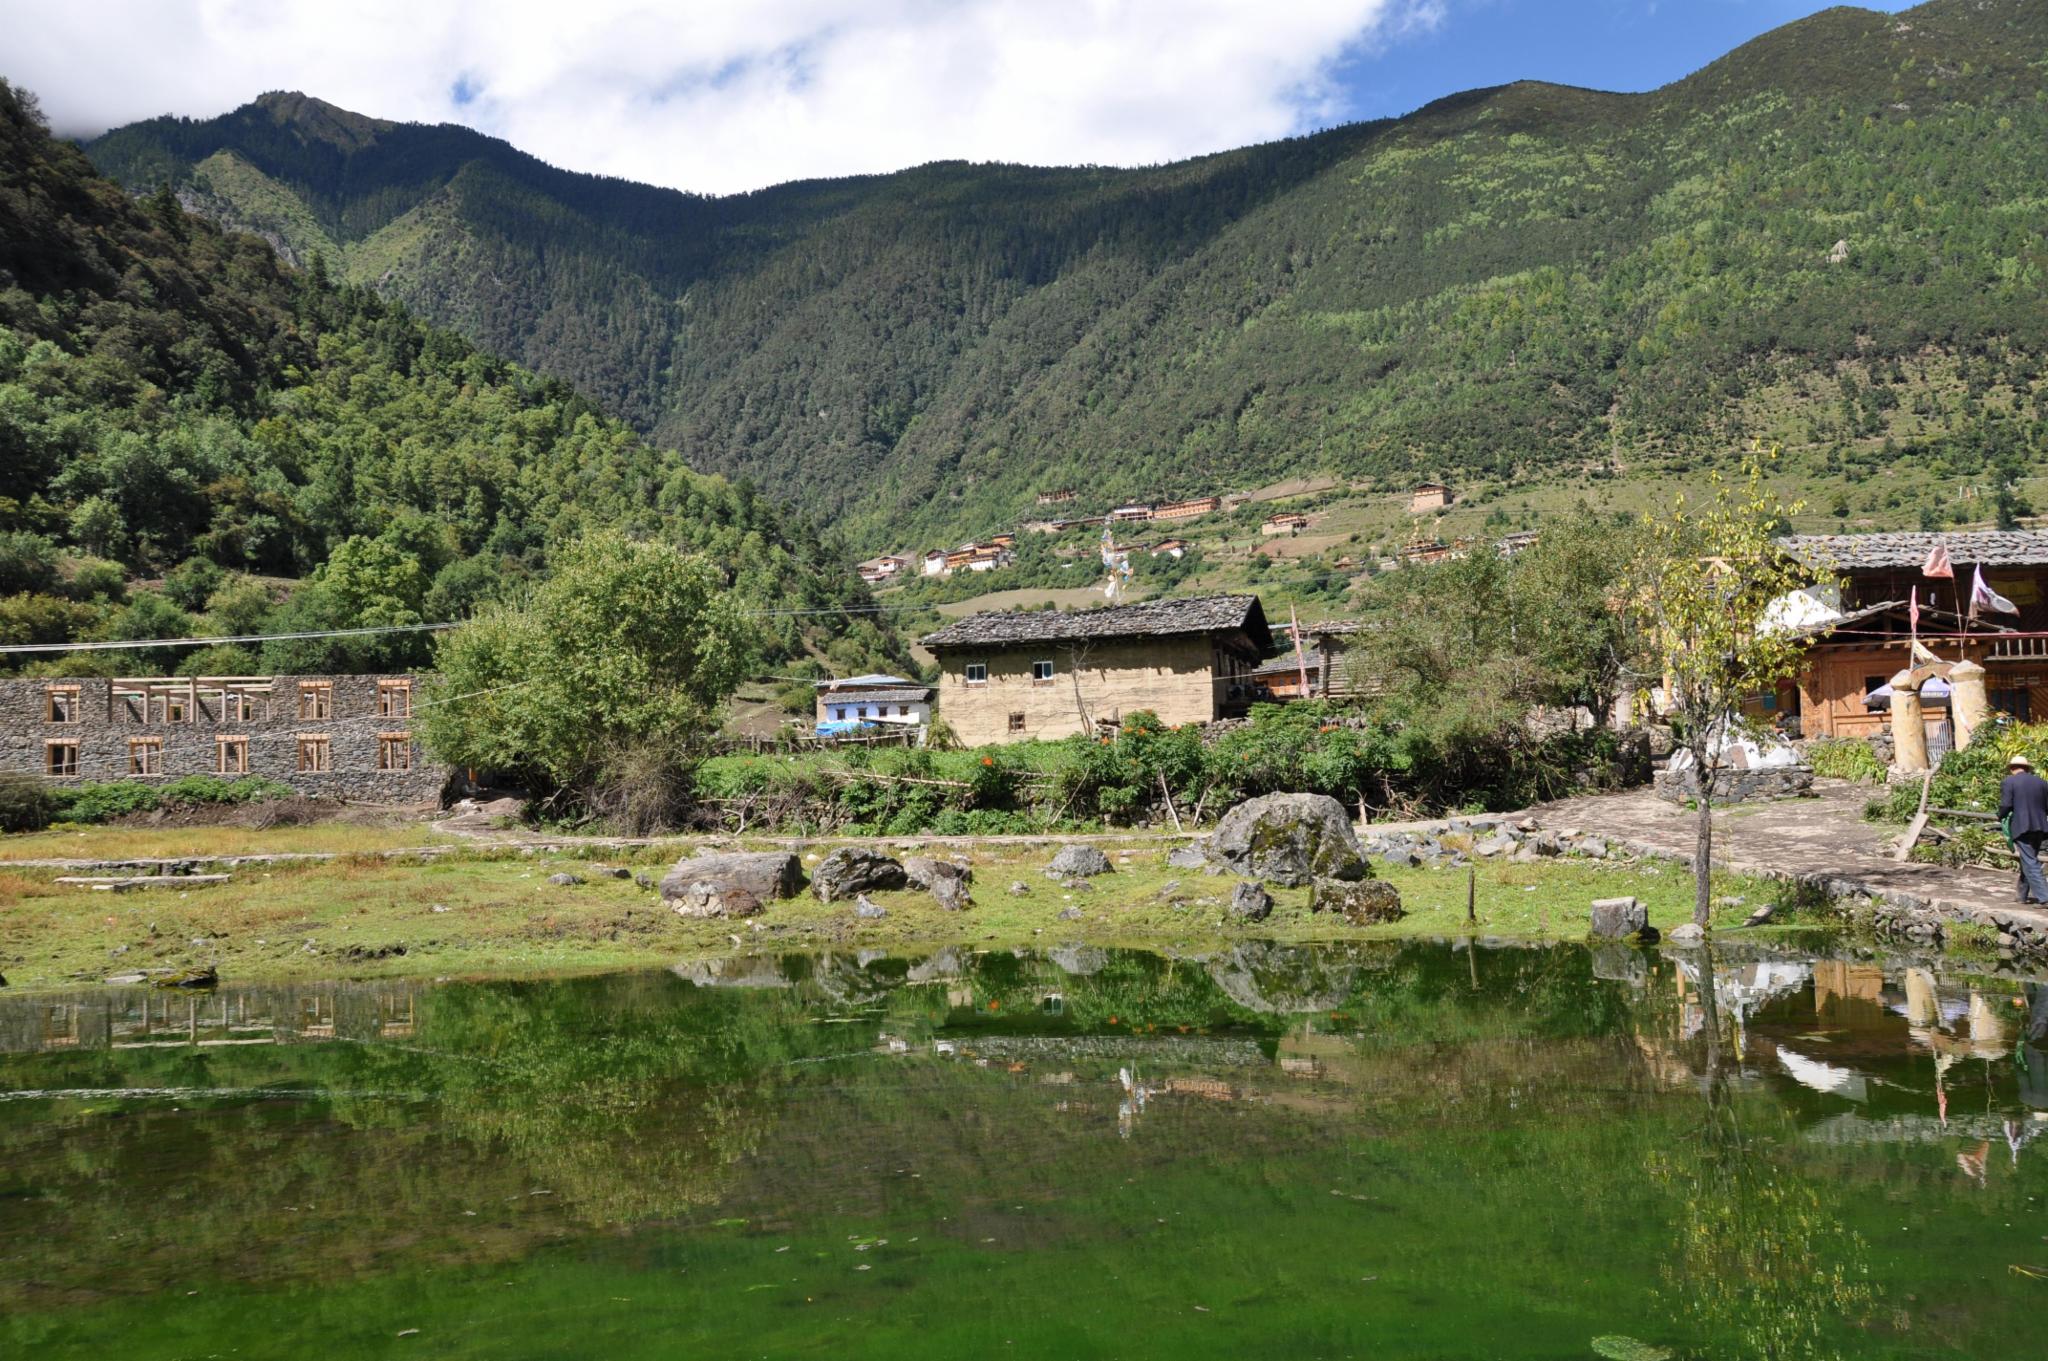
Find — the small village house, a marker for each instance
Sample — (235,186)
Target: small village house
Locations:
(1856,646)
(1283,522)
(1429,497)
(327,736)
(935,563)
(885,568)
(1055,498)
(1125,514)
(1017,675)
(875,698)
(1325,667)
(1188,510)
(1169,548)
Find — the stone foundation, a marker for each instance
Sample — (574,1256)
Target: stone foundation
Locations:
(1737,786)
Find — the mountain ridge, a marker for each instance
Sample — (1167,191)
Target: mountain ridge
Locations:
(1519,282)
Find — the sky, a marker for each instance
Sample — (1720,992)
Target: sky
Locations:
(719,96)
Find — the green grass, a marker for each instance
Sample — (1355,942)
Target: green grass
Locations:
(76,842)
(500,915)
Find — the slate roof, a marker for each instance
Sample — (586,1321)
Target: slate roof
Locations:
(1151,619)
(872,680)
(1872,552)
(916,694)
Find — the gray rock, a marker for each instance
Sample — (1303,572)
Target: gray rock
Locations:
(565,879)
(731,883)
(851,870)
(1687,934)
(1401,860)
(612,871)
(121,980)
(1548,844)
(1072,914)
(1365,902)
(1190,857)
(1290,839)
(1077,886)
(1619,918)
(1077,862)
(1251,902)
(1593,848)
(644,879)
(945,880)
(868,911)
(1500,843)
(1018,888)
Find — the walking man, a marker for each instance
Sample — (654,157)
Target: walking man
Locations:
(2023,808)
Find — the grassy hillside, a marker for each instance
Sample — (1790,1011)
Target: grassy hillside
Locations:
(194,436)
(1514,286)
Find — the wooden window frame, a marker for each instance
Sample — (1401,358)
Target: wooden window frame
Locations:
(224,744)
(392,748)
(394,699)
(316,700)
(51,765)
(145,756)
(1051,672)
(1017,722)
(967,676)
(310,742)
(70,695)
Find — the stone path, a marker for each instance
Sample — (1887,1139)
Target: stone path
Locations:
(1821,840)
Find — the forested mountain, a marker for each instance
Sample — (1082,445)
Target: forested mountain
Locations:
(194,435)
(1505,283)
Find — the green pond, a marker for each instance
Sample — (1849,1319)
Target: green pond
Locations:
(1367,1150)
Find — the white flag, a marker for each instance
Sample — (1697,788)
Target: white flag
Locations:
(1983,597)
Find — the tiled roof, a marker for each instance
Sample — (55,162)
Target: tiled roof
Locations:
(872,680)
(1990,547)
(1151,619)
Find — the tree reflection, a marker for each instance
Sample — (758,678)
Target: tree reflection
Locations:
(1760,1257)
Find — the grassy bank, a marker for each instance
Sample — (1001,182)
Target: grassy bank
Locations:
(494,912)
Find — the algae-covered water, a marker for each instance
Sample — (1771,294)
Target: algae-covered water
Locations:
(1387,1150)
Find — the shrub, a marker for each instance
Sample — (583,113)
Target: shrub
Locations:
(1844,758)
(206,789)
(98,802)
(26,803)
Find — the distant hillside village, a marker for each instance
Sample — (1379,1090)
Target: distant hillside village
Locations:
(1000,550)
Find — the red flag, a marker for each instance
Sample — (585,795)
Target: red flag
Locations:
(1937,564)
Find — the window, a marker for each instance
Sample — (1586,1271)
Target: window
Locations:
(145,756)
(1016,723)
(394,751)
(976,673)
(231,756)
(315,756)
(316,700)
(240,706)
(1872,684)
(60,758)
(394,699)
(62,701)
(1041,672)
(177,709)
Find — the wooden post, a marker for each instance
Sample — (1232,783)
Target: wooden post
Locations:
(1471,893)
(1167,794)
(1300,660)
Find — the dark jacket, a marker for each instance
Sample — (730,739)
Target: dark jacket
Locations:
(2024,795)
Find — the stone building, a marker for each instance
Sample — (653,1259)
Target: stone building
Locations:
(1430,496)
(1014,676)
(874,698)
(338,737)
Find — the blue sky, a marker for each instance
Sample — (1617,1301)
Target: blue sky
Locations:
(725,95)
(1604,44)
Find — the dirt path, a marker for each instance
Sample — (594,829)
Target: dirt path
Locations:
(1822,840)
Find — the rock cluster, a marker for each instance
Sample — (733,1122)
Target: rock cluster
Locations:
(1460,841)
(852,870)
(945,880)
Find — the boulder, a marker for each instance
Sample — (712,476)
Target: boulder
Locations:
(1077,862)
(868,911)
(1018,888)
(732,883)
(1362,902)
(1190,857)
(1072,914)
(945,880)
(1251,902)
(565,880)
(1687,934)
(850,870)
(1291,839)
(1619,918)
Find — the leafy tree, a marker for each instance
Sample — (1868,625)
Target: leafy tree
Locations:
(1703,583)
(603,684)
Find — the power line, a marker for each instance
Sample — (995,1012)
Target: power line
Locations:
(137,643)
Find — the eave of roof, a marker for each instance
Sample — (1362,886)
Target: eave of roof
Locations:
(1150,619)
(1879,552)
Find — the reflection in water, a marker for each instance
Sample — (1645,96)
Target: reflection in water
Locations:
(1465,1129)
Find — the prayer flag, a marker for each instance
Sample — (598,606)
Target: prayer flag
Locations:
(1937,564)
(1983,597)
(1913,612)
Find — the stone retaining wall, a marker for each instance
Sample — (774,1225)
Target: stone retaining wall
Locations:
(1737,786)
(372,754)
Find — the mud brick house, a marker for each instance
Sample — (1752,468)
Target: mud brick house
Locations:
(1325,657)
(879,698)
(1868,638)
(339,737)
(1430,496)
(1013,676)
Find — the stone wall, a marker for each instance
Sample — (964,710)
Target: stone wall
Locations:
(111,728)
(1738,786)
(1175,678)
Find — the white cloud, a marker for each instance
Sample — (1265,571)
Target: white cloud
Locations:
(718,97)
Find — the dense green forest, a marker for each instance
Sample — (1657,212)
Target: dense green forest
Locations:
(196,437)
(1506,284)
